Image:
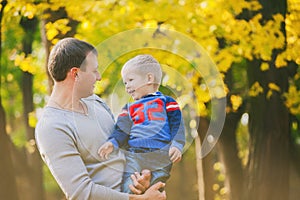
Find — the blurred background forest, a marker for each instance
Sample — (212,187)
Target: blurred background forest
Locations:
(253,44)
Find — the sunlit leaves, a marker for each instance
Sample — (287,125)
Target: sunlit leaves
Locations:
(293,99)
(219,187)
(32,119)
(59,26)
(255,89)
(293,33)
(272,88)
(197,18)
(281,60)
(271,30)
(236,101)
(250,37)
(101,86)
(22,8)
(205,21)
(26,63)
(264,66)
(224,60)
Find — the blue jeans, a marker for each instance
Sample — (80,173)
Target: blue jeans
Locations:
(137,159)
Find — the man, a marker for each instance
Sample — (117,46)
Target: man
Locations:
(73,126)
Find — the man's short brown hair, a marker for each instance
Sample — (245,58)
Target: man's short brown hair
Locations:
(66,54)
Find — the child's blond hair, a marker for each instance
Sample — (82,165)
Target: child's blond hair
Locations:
(144,64)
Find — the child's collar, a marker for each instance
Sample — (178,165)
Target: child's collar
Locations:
(153,94)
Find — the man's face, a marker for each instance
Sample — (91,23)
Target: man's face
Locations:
(88,75)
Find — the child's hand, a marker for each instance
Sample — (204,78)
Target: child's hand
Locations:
(175,154)
(105,150)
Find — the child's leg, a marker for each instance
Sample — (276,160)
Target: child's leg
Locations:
(131,167)
(162,174)
(126,182)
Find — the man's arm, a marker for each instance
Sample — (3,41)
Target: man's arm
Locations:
(59,152)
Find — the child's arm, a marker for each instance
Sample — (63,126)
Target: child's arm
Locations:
(177,130)
(119,137)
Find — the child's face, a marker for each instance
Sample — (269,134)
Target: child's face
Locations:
(136,84)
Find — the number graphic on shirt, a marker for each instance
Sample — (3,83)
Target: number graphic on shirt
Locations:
(158,109)
(137,111)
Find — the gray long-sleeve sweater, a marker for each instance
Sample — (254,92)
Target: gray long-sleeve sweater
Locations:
(68,143)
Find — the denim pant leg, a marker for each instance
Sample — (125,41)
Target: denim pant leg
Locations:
(162,174)
(130,167)
(159,163)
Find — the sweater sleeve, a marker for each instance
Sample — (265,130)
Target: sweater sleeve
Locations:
(176,123)
(58,149)
(122,128)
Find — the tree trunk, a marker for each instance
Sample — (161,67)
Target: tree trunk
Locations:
(199,168)
(53,16)
(269,149)
(8,187)
(227,145)
(35,173)
(228,153)
(269,125)
(207,164)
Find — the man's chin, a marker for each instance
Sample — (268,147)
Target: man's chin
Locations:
(87,95)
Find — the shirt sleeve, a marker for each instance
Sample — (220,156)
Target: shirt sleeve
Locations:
(176,123)
(57,147)
(121,132)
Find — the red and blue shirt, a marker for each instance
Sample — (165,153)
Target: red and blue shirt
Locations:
(153,121)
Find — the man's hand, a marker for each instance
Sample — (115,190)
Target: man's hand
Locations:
(141,181)
(175,154)
(152,193)
(105,150)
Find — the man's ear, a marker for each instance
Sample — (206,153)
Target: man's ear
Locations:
(74,72)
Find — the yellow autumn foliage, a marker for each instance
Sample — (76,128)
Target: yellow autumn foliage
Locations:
(264,66)
(26,64)
(274,87)
(59,26)
(255,89)
(236,101)
(293,99)
(203,21)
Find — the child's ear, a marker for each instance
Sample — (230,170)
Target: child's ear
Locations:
(150,78)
